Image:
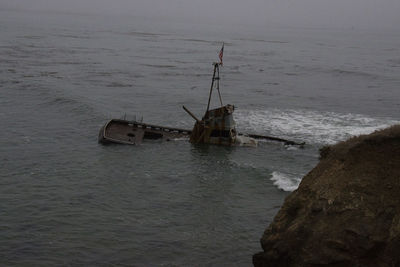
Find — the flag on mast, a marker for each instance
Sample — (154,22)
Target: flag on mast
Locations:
(221,54)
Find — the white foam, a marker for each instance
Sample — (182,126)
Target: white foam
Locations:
(309,126)
(243,140)
(180,139)
(285,182)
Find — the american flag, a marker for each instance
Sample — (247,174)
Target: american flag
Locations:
(221,54)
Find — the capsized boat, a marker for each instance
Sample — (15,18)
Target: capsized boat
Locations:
(216,127)
(133,132)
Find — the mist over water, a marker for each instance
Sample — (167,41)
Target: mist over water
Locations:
(360,14)
(67,200)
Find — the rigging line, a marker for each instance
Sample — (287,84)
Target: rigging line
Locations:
(219,93)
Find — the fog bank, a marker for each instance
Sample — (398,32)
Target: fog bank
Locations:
(307,13)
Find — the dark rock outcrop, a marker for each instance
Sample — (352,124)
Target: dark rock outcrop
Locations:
(346,211)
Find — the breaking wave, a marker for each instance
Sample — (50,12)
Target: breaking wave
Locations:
(313,127)
(285,182)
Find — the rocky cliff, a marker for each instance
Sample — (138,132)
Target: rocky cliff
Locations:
(346,211)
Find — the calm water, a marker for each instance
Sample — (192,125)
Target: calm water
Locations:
(66,200)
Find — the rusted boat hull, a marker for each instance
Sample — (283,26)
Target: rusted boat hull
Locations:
(133,132)
(217,127)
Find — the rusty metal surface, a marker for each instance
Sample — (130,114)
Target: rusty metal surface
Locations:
(216,127)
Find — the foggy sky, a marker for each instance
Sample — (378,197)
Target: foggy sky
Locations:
(308,13)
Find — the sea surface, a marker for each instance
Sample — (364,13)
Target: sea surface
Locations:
(67,200)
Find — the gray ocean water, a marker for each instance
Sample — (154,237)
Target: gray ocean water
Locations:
(66,200)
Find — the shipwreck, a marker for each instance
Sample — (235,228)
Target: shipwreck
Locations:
(216,127)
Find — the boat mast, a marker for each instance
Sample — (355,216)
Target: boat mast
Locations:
(215,78)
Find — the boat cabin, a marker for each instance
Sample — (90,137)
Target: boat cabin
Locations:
(216,127)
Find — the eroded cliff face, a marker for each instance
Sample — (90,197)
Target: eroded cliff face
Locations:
(346,211)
